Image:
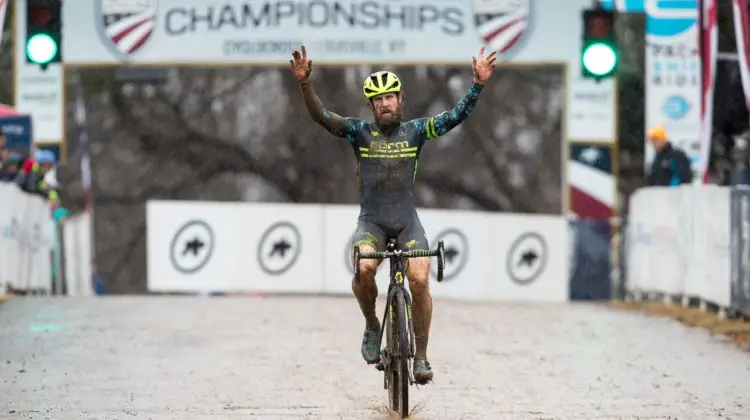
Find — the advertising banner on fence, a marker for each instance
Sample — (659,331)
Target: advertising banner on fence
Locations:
(243,247)
(673,75)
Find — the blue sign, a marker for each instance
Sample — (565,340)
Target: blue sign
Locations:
(17,131)
(664,18)
(676,107)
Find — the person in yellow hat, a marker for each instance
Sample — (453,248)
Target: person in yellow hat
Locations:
(671,166)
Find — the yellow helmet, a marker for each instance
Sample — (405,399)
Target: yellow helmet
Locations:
(381,82)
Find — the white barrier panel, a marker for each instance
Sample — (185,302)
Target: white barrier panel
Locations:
(254,247)
(717,227)
(636,262)
(283,251)
(529,258)
(679,241)
(194,246)
(231,247)
(26,239)
(76,236)
(466,236)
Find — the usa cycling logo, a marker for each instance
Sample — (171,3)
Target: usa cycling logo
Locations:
(126,25)
(676,107)
(502,24)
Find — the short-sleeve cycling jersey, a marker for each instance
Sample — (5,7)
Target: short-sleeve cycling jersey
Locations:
(387,164)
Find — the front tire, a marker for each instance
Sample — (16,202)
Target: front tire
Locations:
(398,344)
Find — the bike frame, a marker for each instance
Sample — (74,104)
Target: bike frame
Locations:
(398,261)
(398,394)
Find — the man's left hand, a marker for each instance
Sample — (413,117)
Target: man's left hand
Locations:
(483,66)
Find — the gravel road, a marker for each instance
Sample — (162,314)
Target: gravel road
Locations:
(298,358)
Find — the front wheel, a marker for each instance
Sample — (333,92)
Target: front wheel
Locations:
(398,344)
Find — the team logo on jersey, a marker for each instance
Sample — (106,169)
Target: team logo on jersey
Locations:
(502,24)
(126,25)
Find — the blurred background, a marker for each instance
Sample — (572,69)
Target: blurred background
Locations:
(243,134)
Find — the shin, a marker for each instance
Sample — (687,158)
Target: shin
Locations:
(418,273)
(366,290)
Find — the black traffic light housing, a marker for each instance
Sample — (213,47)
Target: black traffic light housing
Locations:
(44,17)
(599,29)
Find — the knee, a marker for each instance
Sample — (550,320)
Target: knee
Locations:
(419,278)
(367,269)
(366,280)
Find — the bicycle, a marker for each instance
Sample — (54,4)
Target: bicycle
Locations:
(396,356)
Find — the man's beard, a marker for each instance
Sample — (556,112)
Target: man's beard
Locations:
(394,117)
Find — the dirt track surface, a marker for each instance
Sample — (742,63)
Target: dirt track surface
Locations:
(298,358)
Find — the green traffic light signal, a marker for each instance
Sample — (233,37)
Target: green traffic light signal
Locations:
(41,48)
(599,59)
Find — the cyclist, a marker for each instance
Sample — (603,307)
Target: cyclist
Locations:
(387,152)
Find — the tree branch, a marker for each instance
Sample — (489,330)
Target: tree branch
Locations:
(194,146)
(443,183)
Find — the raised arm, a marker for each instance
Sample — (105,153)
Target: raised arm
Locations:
(334,123)
(444,122)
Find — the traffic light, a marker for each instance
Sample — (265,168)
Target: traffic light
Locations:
(43,32)
(599,54)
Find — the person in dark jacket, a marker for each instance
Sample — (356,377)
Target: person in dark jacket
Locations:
(671,166)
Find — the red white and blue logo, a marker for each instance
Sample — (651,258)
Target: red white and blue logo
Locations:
(502,24)
(126,25)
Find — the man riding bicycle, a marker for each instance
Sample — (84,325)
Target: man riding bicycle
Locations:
(387,152)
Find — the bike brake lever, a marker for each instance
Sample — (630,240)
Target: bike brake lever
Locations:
(356,263)
(440,261)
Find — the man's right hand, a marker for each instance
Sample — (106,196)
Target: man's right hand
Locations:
(301,66)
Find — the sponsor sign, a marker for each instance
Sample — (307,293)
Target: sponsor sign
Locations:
(335,31)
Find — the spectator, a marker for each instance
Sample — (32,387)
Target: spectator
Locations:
(31,175)
(671,166)
(46,162)
(28,176)
(9,167)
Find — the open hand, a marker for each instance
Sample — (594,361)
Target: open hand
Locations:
(301,66)
(483,66)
